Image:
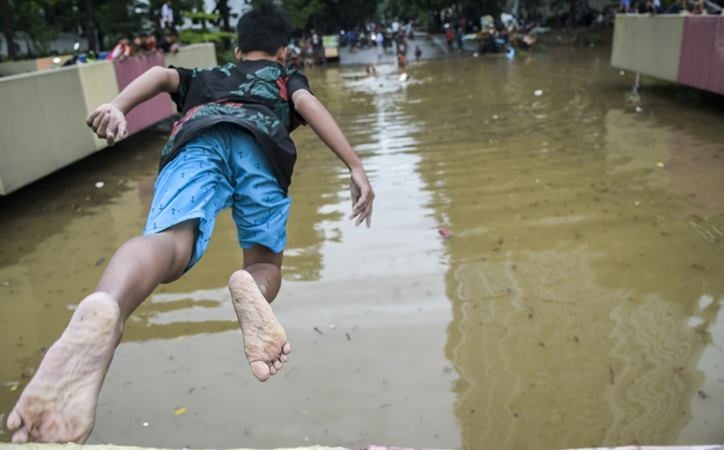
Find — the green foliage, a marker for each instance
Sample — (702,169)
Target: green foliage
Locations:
(303,12)
(202,16)
(41,20)
(223,54)
(199,36)
(119,18)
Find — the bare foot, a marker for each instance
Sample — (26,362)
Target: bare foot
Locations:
(265,342)
(59,403)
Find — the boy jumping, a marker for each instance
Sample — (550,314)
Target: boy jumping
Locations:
(231,149)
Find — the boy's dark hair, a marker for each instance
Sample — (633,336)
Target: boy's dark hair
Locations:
(266,28)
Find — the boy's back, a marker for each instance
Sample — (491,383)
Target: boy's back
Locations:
(253,94)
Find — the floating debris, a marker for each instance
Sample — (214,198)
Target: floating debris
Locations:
(445,232)
(318,330)
(180,411)
(660,164)
(100,184)
(538,92)
(145,424)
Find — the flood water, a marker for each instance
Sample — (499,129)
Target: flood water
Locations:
(578,301)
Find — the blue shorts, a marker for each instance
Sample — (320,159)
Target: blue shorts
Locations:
(221,167)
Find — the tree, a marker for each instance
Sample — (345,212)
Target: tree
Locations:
(90,26)
(7,20)
(303,12)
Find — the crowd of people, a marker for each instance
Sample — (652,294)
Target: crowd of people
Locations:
(165,39)
(143,43)
(307,50)
(678,7)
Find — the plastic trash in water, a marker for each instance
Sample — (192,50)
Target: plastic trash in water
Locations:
(180,411)
(100,184)
(511,54)
(445,232)
(403,77)
(638,109)
(538,92)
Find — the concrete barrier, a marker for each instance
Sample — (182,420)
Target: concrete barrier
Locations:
(152,110)
(41,125)
(31,65)
(42,122)
(34,446)
(685,49)
(702,53)
(17,67)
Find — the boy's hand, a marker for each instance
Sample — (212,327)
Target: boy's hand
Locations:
(362,197)
(108,122)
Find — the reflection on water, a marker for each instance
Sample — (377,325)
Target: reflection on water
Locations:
(584,273)
(577,303)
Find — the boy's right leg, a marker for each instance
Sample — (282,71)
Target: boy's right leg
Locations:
(252,289)
(260,210)
(58,405)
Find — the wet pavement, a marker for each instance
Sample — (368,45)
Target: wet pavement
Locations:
(574,299)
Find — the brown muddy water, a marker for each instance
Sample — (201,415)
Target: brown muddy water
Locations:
(577,303)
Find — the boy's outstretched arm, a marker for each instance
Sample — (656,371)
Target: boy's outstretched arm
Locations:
(324,125)
(109,120)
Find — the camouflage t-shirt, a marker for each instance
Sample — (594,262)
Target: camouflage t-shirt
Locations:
(255,95)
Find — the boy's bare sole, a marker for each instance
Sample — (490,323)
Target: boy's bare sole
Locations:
(265,342)
(59,403)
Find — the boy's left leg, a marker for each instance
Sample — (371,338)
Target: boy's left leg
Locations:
(59,403)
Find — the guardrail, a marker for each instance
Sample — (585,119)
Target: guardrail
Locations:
(42,121)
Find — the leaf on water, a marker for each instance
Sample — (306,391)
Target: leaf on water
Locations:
(180,411)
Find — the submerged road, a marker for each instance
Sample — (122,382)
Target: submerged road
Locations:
(543,271)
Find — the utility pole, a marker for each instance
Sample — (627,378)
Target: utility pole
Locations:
(8,28)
